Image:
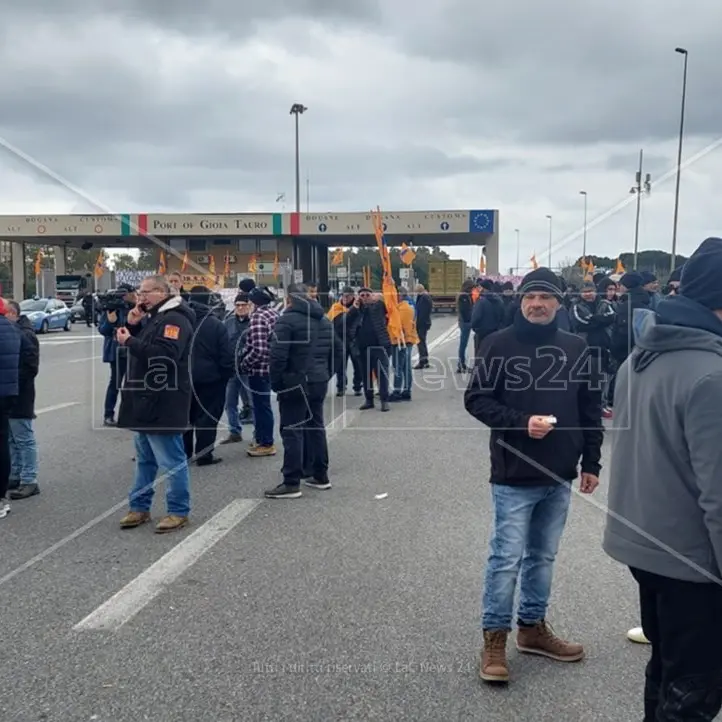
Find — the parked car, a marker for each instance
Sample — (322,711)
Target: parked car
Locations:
(77,312)
(46,314)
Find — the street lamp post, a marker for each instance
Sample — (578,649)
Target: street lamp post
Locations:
(584,242)
(516,230)
(682,51)
(298,109)
(639,188)
(550,240)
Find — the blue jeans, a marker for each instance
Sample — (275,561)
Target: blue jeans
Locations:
(237,386)
(167,452)
(23,452)
(528,525)
(402,369)
(464,336)
(260,387)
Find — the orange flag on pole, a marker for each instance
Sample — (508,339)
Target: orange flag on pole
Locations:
(100,264)
(38,262)
(388,286)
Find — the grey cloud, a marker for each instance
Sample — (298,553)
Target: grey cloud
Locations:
(566,73)
(225,18)
(656,165)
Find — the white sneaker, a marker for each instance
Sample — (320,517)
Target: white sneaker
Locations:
(4,508)
(636,635)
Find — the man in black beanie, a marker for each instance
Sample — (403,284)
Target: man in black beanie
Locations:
(665,498)
(651,286)
(237,324)
(634,298)
(529,387)
(487,315)
(255,364)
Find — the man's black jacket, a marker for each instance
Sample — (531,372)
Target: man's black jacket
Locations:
(211,359)
(304,348)
(156,395)
(522,372)
(23,406)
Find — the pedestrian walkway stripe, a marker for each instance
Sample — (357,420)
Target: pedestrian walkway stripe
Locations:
(124,605)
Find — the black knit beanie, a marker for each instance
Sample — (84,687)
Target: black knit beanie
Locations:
(632,280)
(701,275)
(541,280)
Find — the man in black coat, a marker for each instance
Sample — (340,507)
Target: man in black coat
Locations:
(424,309)
(211,365)
(304,357)
(156,400)
(9,386)
(488,313)
(634,298)
(23,446)
(345,326)
(530,387)
(374,346)
(237,324)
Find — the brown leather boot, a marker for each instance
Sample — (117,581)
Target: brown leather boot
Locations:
(540,639)
(494,667)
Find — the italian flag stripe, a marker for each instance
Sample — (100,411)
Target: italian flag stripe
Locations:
(277,224)
(295,224)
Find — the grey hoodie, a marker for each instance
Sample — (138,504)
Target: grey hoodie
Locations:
(665,487)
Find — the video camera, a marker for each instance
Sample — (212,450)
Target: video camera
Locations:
(114,300)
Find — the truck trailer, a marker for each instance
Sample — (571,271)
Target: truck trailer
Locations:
(445,281)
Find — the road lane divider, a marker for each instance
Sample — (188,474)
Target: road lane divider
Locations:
(135,596)
(56,407)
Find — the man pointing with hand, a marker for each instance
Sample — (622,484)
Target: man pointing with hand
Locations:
(536,387)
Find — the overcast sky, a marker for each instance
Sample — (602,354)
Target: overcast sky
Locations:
(153,105)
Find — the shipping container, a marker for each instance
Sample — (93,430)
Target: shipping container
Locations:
(445,281)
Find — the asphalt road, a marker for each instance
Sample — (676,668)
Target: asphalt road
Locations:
(336,606)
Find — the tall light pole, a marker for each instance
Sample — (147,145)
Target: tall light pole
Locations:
(298,109)
(550,240)
(584,242)
(516,230)
(682,51)
(639,189)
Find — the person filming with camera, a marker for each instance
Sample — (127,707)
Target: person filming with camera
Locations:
(114,307)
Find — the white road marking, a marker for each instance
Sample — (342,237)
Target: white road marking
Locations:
(57,407)
(87,358)
(136,595)
(59,343)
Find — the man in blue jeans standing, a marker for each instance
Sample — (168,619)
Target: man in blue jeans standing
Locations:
(237,324)
(256,366)
(545,416)
(156,399)
(23,446)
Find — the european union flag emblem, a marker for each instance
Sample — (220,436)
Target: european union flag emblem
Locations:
(481,221)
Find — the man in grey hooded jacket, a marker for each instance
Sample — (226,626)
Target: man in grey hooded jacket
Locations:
(665,489)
